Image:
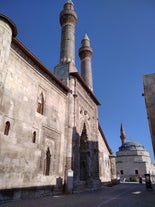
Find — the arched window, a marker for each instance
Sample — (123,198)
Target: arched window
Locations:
(40,106)
(34,137)
(7,128)
(47,162)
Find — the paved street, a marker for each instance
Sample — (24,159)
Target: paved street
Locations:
(122,195)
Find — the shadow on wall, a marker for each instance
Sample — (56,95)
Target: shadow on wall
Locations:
(32,192)
(85,161)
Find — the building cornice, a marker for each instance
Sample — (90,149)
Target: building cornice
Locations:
(10,23)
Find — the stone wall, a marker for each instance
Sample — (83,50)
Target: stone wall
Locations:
(104,160)
(31,132)
(149,94)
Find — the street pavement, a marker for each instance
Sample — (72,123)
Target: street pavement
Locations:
(121,195)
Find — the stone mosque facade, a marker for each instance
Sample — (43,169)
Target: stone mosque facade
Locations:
(149,98)
(133,160)
(50,137)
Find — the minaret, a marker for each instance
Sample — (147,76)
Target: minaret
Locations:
(85,53)
(68,19)
(122,136)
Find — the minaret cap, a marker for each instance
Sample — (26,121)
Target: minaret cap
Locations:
(86,37)
(85,49)
(70,2)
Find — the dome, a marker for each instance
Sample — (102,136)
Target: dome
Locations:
(131,146)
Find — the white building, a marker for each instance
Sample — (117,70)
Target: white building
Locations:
(133,160)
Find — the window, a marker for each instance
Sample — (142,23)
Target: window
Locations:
(7,128)
(136,172)
(34,137)
(121,172)
(40,106)
(47,162)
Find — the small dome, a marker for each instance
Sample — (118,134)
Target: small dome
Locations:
(131,146)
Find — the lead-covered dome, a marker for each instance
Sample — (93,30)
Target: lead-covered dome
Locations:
(129,146)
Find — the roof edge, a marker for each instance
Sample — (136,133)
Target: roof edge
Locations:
(101,131)
(40,65)
(11,24)
(76,74)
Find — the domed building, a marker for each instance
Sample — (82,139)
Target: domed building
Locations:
(133,160)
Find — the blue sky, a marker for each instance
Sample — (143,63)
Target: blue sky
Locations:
(122,34)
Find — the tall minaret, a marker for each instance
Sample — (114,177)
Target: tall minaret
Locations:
(85,53)
(122,136)
(68,19)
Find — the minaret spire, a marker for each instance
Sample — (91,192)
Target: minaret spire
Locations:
(68,19)
(70,2)
(122,136)
(85,53)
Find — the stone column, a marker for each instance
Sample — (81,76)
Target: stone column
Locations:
(69,154)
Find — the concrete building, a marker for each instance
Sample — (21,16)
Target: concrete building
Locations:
(149,95)
(50,137)
(132,160)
